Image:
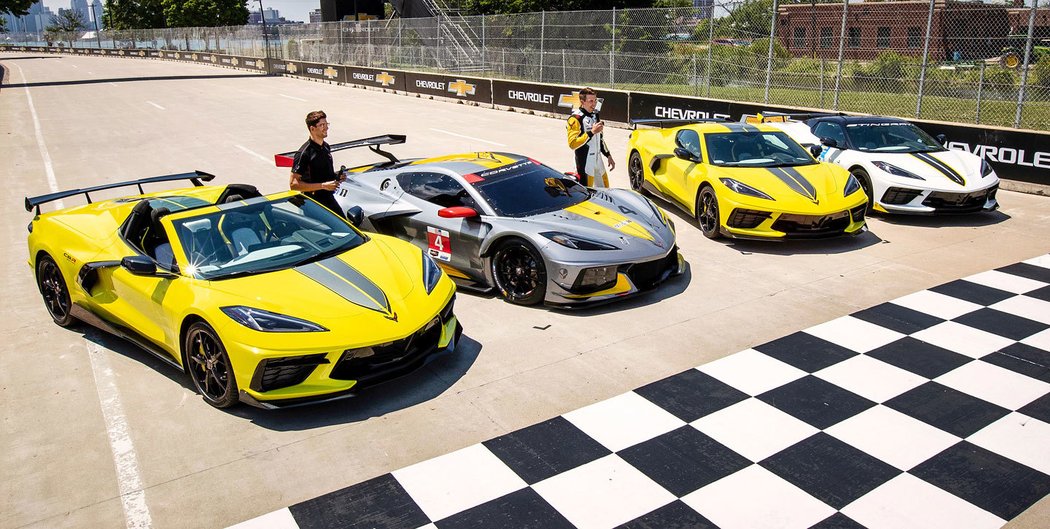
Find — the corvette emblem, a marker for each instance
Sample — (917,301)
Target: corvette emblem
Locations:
(392,316)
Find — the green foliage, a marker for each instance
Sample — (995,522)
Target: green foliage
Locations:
(995,76)
(15,7)
(133,14)
(205,13)
(886,73)
(66,22)
(1041,72)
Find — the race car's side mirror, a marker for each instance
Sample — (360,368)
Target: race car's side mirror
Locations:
(830,142)
(685,154)
(141,265)
(941,138)
(457,212)
(355,215)
(815,150)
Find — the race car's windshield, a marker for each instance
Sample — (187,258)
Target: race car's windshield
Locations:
(527,188)
(262,236)
(755,149)
(893,136)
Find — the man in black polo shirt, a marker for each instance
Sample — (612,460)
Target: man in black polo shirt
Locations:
(313,171)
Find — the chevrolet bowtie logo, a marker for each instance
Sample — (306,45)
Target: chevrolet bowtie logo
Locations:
(194,56)
(234,61)
(573,101)
(331,73)
(292,68)
(461,88)
(385,79)
(214,59)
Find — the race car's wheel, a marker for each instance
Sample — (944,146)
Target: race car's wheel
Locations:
(53,288)
(635,171)
(865,183)
(520,274)
(209,366)
(707,213)
(1011,60)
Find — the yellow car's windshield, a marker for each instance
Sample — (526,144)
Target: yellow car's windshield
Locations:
(755,149)
(262,235)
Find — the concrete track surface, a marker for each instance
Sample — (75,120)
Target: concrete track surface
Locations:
(96,433)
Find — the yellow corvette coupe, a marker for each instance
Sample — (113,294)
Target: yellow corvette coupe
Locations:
(269,300)
(746,181)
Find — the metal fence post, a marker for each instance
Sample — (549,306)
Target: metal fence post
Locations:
(483,48)
(769,54)
(368,41)
(710,37)
(821,82)
(980,90)
(543,26)
(925,59)
(564,76)
(842,50)
(400,50)
(612,51)
(1024,65)
(695,80)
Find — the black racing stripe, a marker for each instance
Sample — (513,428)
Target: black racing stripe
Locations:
(952,174)
(348,283)
(795,180)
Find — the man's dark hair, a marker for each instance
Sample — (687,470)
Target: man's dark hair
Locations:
(584,92)
(314,117)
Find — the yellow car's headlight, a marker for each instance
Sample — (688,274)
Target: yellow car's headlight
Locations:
(744,189)
(266,321)
(431,273)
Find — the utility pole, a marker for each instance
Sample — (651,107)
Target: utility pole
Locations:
(94,17)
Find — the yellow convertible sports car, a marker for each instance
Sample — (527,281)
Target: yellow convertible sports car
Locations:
(743,180)
(269,300)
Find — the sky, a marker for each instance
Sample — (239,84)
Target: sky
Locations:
(289,9)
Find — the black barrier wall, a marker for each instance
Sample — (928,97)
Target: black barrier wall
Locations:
(1018,155)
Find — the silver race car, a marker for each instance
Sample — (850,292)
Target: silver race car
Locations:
(503,221)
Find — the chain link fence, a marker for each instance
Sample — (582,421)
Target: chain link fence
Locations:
(944,60)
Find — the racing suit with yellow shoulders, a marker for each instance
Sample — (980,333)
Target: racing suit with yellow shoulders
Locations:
(589,148)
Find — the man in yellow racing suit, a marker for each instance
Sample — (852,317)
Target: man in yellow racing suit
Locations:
(585,138)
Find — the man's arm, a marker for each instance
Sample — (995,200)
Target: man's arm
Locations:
(577,136)
(296,183)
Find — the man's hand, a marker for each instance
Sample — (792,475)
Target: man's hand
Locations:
(612,163)
(598,127)
(330,185)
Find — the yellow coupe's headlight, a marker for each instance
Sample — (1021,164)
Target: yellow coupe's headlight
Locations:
(852,186)
(431,273)
(266,321)
(744,189)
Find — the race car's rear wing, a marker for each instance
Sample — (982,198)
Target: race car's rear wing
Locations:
(781,117)
(664,123)
(196,177)
(373,143)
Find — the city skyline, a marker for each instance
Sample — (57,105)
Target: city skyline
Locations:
(298,10)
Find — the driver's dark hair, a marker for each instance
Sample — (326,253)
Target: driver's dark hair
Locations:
(315,117)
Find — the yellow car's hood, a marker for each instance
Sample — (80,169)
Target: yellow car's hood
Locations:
(798,187)
(378,278)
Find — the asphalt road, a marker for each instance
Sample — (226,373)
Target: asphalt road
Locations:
(95,433)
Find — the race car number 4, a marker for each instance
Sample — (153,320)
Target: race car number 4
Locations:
(439,246)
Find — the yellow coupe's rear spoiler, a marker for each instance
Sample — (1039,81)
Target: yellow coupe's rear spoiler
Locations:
(781,117)
(196,177)
(664,123)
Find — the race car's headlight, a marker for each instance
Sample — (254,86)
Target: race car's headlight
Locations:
(852,186)
(431,273)
(744,189)
(266,321)
(896,171)
(576,243)
(986,168)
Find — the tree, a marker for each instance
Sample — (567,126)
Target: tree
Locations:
(67,21)
(133,14)
(15,7)
(205,13)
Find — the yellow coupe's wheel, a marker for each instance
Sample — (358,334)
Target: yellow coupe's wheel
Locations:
(635,171)
(707,213)
(209,366)
(54,291)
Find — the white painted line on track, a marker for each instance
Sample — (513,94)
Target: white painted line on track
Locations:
(132,497)
(468,137)
(52,182)
(75,66)
(293,97)
(265,160)
(156,105)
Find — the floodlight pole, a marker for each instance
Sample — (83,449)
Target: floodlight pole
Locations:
(94,18)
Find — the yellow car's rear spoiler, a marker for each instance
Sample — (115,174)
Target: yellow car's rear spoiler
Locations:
(196,177)
(664,123)
(781,117)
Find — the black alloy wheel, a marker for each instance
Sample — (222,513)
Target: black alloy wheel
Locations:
(865,184)
(707,213)
(520,274)
(209,366)
(635,171)
(54,291)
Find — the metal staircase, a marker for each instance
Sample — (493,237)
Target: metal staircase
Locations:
(457,37)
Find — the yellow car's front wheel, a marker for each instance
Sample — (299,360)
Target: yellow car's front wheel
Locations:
(635,172)
(707,213)
(209,366)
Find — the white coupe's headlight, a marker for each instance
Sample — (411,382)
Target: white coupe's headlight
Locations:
(266,321)
(431,273)
(986,168)
(896,171)
(743,188)
(852,186)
